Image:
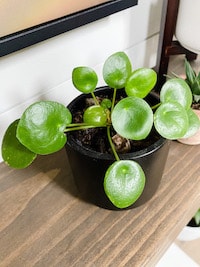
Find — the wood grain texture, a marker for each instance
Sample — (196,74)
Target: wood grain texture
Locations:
(44,223)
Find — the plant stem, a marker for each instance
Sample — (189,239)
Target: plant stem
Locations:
(155,106)
(112,145)
(113,100)
(82,127)
(77,124)
(95,99)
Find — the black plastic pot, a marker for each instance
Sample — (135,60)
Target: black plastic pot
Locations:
(89,167)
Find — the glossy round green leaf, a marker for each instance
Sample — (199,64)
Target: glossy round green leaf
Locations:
(13,152)
(41,127)
(194,123)
(84,79)
(106,103)
(176,90)
(171,120)
(116,70)
(141,82)
(124,183)
(95,116)
(132,118)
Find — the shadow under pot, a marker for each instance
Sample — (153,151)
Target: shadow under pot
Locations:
(89,165)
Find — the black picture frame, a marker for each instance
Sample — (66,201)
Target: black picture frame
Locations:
(22,39)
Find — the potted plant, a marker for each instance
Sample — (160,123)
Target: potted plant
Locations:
(193,80)
(187,25)
(192,230)
(128,112)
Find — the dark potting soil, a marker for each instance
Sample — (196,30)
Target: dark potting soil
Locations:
(96,138)
(196,105)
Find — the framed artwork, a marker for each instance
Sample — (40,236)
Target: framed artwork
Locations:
(27,22)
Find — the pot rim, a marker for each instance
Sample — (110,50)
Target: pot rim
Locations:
(133,155)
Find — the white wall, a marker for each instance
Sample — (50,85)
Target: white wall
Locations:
(43,71)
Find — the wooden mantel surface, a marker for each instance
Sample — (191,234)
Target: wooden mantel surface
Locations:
(44,223)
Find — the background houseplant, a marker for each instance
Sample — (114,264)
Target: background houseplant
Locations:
(43,127)
(193,80)
(197,218)
(192,230)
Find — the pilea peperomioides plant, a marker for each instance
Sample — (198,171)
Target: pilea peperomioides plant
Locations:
(43,127)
